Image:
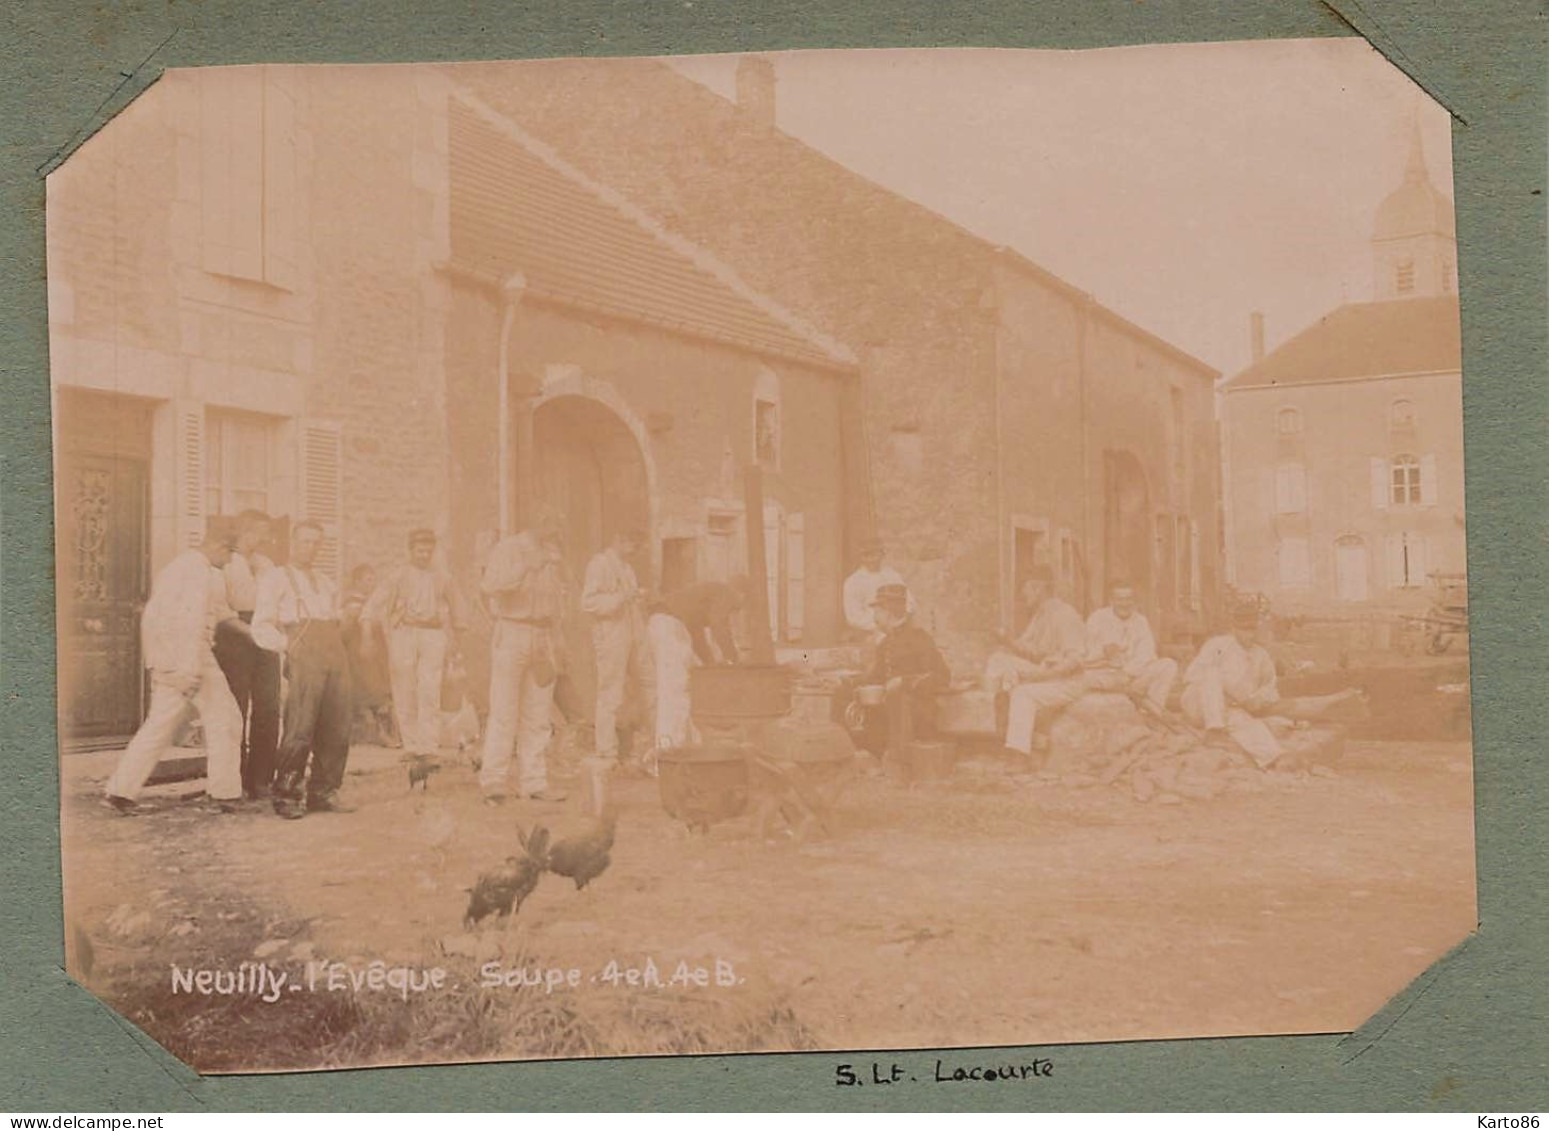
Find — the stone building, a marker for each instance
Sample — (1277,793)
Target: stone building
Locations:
(1344,446)
(1006,417)
(361,296)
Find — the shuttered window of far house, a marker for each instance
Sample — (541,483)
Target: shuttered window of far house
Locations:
(1290,488)
(1294,565)
(1408,561)
(1404,481)
(321,495)
(1404,281)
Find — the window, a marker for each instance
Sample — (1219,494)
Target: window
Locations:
(1402,415)
(1350,568)
(1294,566)
(1288,422)
(1446,276)
(1290,488)
(1407,565)
(1185,546)
(1180,438)
(766,421)
(236,463)
(1404,277)
(1404,478)
(248,174)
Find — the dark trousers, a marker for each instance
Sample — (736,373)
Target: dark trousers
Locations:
(254,676)
(904,717)
(317,714)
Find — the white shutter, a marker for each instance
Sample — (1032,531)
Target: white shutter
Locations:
(280,226)
(190,474)
(1428,481)
(1419,559)
(1381,483)
(772,566)
(795,576)
(322,489)
(1395,559)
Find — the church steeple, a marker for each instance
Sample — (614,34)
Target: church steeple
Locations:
(1414,238)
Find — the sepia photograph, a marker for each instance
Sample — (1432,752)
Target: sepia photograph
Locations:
(817,550)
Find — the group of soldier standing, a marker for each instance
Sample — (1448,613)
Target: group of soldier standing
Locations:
(227,632)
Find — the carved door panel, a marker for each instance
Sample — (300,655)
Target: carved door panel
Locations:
(102,568)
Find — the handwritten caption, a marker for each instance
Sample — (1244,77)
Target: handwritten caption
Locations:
(890,1073)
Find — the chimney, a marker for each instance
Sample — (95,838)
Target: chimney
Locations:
(756,90)
(1256,334)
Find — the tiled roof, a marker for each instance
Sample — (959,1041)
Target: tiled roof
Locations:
(518,208)
(1368,339)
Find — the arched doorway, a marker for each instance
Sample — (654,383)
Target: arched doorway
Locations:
(588,465)
(1127,527)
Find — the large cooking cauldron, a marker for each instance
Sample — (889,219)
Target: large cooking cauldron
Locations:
(702,785)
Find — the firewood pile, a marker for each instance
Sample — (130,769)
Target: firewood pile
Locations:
(1107,740)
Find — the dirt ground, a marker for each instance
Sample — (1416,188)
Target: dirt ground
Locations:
(990,909)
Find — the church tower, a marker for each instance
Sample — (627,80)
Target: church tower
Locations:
(1414,239)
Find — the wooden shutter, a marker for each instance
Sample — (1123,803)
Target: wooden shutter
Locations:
(190,474)
(280,218)
(795,576)
(1194,580)
(231,170)
(1381,483)
(1428,481)
(322,489)
(772,566)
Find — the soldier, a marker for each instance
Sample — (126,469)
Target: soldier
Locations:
(611,596)
(177,631)
(524,584)
(252,672)
(297,616)
(417,606)
(910,667)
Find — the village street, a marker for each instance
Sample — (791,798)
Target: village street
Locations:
(990,909)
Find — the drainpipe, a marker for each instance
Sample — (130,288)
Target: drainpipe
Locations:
(1083,320)
(512,289)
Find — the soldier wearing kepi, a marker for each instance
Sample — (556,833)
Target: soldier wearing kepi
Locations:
(910,668)
(177,631)
(524,583)
(252,672)
(298,616)
(417,606)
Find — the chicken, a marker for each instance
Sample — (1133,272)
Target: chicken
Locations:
(421,766)
(584,857)
(502,891)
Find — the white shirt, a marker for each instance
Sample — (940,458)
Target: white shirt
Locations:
(1247,674)
(609,586)
(860,590)
(187,601)
(242,576)
(1137,647)
(287,596)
